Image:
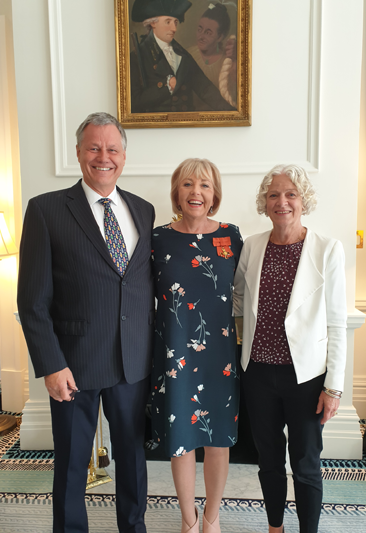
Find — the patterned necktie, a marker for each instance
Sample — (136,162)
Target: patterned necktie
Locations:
(114,238)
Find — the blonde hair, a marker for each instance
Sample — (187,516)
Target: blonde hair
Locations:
(299,178)
(201,169)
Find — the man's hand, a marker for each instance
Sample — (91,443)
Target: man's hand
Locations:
(60,384)
(330,406)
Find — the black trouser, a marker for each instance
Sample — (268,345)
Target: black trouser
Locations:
(274,399)
(74,425)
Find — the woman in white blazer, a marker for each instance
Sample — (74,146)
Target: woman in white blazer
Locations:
(290,290)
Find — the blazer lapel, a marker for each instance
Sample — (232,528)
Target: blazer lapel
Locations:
(182,72)
(308,279)
(254,269)
(137,218)
(80,209)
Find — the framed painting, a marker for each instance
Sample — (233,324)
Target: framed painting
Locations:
(183,63)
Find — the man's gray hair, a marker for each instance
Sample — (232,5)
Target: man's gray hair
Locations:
(100,119)
(147,22)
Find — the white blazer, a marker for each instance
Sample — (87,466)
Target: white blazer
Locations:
(316,318)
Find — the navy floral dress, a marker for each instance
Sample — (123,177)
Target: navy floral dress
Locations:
(195,379)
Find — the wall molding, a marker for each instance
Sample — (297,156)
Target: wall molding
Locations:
(36,426)
(315,27)
(361,305)
(359,383)
(65,169)
(58,91)
(359,394)
(355,319)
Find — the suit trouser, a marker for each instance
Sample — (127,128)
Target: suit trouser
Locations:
(274,399)
(74,426)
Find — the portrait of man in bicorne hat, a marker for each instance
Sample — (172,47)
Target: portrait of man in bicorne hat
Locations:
(164,76)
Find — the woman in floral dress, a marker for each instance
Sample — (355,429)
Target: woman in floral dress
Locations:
(195,382)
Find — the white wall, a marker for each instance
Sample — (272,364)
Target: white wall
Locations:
(289,40)
(359,385)
(306,105)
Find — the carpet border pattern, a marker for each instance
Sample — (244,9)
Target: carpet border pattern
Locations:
(12,458)
(107,500)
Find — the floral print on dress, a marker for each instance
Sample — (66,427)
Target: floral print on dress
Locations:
(198,344)
(192,306)
(162,386)
(181,363)
(200,261)
(181,451)
(194,399)
(228,370)
(199,416)
(169,353)
(177,291)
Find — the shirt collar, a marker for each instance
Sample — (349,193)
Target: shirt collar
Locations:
(93,197)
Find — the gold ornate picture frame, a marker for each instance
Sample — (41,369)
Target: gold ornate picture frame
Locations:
(200,90)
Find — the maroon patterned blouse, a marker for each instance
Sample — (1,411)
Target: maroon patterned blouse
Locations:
(279,268)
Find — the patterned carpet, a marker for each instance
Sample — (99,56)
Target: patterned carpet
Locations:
(32,513)
(26,499)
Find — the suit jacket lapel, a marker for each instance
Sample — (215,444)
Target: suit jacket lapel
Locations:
(182,72)
(308,278)
(254,269)
(137,218)
(183,68)
(306,270)
(80,209)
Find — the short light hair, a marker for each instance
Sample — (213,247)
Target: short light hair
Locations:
(299,178)
(201,169)
(100,119)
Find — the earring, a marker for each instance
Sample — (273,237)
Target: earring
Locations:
(211,209)
(179,208)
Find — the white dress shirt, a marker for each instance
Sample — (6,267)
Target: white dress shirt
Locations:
(120,209)
(172,58)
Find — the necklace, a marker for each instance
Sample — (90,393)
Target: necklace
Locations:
(300,238)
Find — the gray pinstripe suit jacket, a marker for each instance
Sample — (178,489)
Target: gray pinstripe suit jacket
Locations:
(75,308)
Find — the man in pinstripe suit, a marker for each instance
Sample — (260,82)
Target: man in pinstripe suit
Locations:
(88,327)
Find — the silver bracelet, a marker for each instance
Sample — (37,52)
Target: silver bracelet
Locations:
(333,393)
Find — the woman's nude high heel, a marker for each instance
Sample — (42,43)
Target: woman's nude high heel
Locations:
(195,528)
(211,528)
